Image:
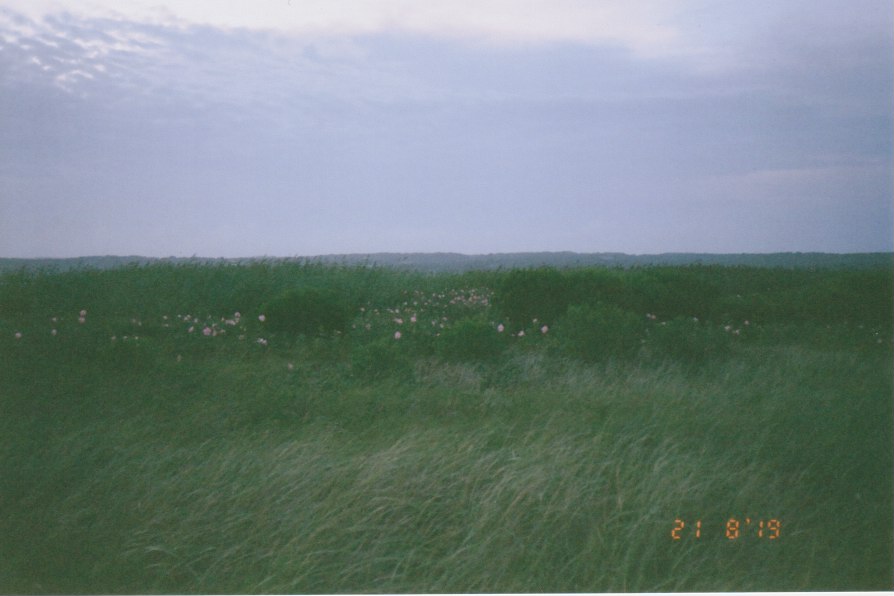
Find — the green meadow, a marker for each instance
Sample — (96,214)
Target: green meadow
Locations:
(300,428)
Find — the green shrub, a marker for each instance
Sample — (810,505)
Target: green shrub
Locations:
(470,340)
(381,359)
(307,311)
(528,294)
(686,340)
(599,332)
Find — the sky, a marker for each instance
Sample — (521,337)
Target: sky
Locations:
(239,128)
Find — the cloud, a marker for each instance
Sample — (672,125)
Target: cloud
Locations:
(408,127)
(644,26)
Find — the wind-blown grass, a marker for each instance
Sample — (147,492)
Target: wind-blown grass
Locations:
(178,462)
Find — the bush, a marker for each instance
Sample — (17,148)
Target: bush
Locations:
(599,332)
(470,340)
(308,311)
(688,341)
(527,294)
(381,359)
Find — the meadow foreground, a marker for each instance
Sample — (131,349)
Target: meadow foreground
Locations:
(303,429)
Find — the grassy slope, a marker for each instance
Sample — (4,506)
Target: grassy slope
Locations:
(183,463)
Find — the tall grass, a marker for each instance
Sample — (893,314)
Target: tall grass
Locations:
(354,462)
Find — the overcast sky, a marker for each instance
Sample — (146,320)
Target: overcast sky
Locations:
(297,127)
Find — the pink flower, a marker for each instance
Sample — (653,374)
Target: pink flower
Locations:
(207,331)
(500,328)
(397,335)
(82,320)
(544,329)
(413,319)
(191,329)
(262,318)
(262,341)
(83,313)
(521,333)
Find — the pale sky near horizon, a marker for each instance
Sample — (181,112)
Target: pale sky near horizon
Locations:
(302,127)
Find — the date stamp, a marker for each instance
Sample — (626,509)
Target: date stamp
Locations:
(734,529)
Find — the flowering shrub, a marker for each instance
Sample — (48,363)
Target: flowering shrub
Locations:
(307,311)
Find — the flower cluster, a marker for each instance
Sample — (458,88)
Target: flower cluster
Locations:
(422,313)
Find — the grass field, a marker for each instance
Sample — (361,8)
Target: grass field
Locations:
(300,428)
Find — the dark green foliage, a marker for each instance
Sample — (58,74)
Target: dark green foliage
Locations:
(307,311)
(687,340)
(470,340)
(676,292)
(141,454)
(385,358)
(527,294)
(607,286)
(599,332)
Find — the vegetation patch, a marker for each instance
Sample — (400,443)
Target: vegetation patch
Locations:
(295,428)
(307,311)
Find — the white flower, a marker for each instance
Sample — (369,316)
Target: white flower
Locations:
(397,335)
(500,328)
(18,335)
(544,329)
(262,318)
